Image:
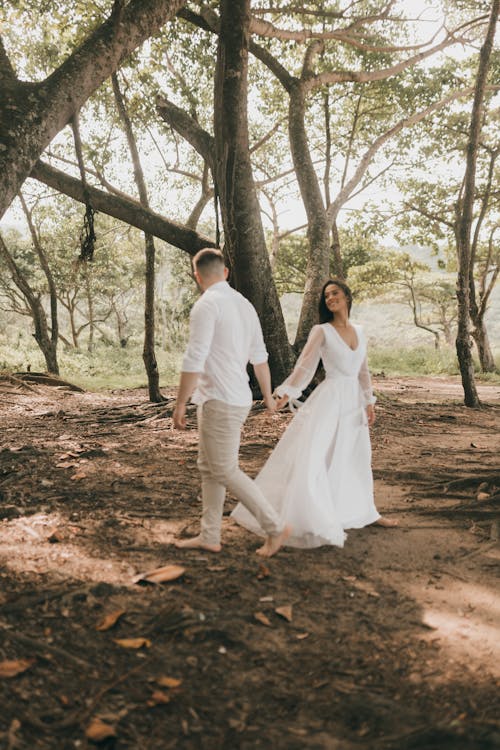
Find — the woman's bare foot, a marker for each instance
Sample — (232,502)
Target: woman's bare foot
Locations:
(386,522)
(197,543)
(274,543)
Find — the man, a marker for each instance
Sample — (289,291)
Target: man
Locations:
(225,335)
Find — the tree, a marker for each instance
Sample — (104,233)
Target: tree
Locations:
(464,217)
(397,276)
(32,113)
(34,303)
(227,153)
(149,356)
(322,212)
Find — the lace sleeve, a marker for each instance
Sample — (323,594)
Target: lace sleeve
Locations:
(305,366)
(366,383)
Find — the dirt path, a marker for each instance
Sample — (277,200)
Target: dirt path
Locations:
(389,643)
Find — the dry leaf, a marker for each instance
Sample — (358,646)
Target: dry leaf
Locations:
(109,620)
(262,618)
(161,575)
(78,475)
(158,697)
(133,642)
(483,496)
(169,682)
(301,636)
(264,572)
(98,730)
(13,667)
(55,536)
(285,612)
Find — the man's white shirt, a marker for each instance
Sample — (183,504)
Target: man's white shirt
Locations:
(225,334)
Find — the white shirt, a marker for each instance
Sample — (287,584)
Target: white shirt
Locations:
(225,335)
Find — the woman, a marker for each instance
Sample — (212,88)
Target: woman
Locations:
(319,476)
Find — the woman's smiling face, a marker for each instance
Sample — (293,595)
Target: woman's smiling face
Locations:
(335,298)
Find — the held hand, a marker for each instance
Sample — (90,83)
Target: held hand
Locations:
(179,417)
(270,403)
(370,414)
(281,402)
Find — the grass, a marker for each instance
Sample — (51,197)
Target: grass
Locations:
(110,367)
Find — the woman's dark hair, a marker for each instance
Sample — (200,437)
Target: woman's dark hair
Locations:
(325,315)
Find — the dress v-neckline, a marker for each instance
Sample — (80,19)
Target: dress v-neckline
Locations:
(343,340)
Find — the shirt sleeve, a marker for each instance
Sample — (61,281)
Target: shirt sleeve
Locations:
(305,367)
(258,351)
(202,322)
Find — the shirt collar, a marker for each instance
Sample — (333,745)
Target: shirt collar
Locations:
(218,285)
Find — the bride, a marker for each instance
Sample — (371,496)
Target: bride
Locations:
(319,476)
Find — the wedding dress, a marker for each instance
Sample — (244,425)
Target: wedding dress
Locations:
(318,477)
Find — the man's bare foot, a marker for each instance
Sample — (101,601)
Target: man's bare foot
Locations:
(197,543)
(274,543)
(386,522)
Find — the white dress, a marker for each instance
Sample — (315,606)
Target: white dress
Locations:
(319,475)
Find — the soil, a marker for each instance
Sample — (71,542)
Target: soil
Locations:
(389,643)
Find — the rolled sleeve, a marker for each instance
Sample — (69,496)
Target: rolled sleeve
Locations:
(258,351)
(201,331)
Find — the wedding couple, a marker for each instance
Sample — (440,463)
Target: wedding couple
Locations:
(317,482)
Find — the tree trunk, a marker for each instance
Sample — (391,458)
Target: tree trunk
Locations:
(54,321)
(42,336)
(318,231)
(486,359)
(479,331)
(36,112)
(338,264)
(245,246)
(148,353)
(90,309)
(465,215)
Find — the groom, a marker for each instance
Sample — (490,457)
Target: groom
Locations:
(225,335)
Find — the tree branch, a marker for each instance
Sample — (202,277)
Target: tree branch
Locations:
(124,209)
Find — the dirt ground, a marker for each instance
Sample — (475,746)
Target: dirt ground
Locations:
(389,643)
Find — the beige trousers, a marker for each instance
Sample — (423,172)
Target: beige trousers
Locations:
(219,427)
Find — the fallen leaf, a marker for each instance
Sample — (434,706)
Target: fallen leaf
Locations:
(262,618)
(483,496)
(98,730)
(161,575)
(133,642)
(79,475)
(13,667)
(169,682)
(285,612)
(55,536)
(109,620)
(158,697)
(263,572)
(367,587)
(301,636)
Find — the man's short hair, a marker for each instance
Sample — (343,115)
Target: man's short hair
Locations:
(208,262)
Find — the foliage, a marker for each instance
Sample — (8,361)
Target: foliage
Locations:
(359,247)
(415,361)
